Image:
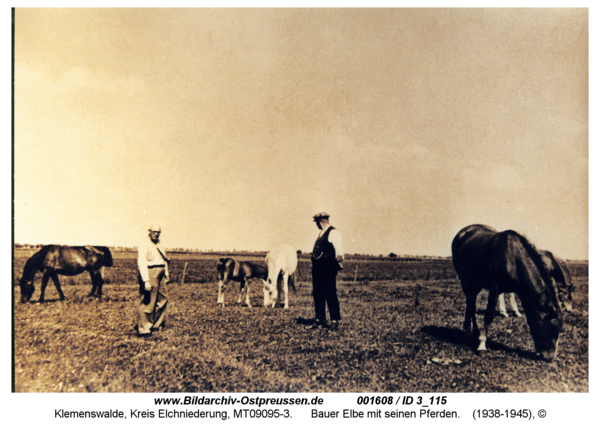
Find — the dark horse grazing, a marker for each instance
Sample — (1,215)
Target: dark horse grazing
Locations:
(507,262)
(240,271)
(53,260)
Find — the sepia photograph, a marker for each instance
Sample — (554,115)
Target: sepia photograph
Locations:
(300,200)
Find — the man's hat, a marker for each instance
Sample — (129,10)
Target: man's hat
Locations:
(154,227)
(320,215)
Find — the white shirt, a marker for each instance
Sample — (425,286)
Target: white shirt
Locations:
(335,238)
(148,256)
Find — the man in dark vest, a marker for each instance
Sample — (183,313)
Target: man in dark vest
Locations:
(327,261)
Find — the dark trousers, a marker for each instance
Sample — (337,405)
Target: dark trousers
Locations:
(325,291)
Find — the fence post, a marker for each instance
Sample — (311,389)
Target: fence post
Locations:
(183,275)
(355,273)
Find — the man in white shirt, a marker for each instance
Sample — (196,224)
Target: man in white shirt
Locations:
(153,267)
(327,261)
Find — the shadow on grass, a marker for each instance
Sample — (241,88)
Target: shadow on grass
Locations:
(461,338)
(46,301)
(303,321)
(449,335)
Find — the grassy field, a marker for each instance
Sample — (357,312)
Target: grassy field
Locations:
(401,332)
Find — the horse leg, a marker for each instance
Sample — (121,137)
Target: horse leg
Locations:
(275,295)
(45,279)
(488,318)
(100,281)
(221,296)
(91,294)
(94,284)
(54,277)
(470,310)
(242,284)
(286,279)
(513,303)
(97,282)
(247,288)
(502,305)
(100,284)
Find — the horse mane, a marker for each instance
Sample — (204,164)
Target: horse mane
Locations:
(535,255)
(33,263)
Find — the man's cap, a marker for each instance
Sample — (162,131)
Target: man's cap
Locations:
(154,227)
(320,215)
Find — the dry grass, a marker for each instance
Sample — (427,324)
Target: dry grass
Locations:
(388,343)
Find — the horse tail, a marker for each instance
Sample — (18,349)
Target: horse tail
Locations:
(108,259)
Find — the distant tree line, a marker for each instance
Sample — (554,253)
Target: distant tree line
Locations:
(233,252)
(27,246)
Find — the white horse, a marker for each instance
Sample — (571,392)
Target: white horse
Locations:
(281,262)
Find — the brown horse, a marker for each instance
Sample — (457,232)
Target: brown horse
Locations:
(508,262)
(239,271)
(53,260)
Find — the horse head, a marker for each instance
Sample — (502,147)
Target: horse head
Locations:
(545,326)
(27,290)
(544,302)
(270,291)
(223,266)
(32,266)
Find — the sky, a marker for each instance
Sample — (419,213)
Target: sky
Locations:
(233,127)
